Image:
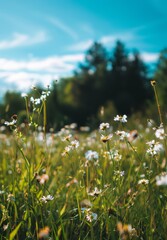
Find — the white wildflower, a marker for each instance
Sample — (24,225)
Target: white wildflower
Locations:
(104,126)
(119,173)
(47,198)
(115,155)
(160,133)
(155,148)
(67,138)
(12,123)
(119,118)
(143,181)
(122,134)
(74,144)
(161,179)
(106,138)
(24,95)
(95,192)
(91,155)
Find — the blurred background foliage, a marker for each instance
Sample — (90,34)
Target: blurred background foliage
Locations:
(105,84)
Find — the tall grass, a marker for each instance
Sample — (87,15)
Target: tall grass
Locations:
(105,184)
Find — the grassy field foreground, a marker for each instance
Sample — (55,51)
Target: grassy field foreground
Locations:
(105,184)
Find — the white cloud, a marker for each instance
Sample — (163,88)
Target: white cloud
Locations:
(53,64)
(24,80)
(19,40)
(66,29)
(21,75)
(111,39)
(149,57)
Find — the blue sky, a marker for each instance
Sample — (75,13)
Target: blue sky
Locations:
(43,40)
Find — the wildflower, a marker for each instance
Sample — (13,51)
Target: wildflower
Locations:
(24,95)
(13,122)
(72,182)
(119,173)
(160,133)
(42,179)
(44,232)
(153,82)
(95,192)
(143,181)
(122,119)
(155,148)
(126,231)
(67,138)
(115,155)
(35,101)
(132,135)
(91,155)
(84,129)
(74,144)
(73,126)
(122,134)
(89,215)
(47,198)
(10,198)
(161,180)
(106,138)
(5,227)
(104,126)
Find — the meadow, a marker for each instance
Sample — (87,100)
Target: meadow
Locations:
(109,183)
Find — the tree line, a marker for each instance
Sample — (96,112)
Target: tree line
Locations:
(107,82)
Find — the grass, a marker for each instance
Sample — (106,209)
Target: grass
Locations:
(106,184)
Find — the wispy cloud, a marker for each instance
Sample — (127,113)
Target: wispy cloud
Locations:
(87,28)
(81,46)
(63,27)
(105,40)
(111,39)
(19,40)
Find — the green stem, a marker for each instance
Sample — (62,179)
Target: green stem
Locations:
(153,83)
(44,118)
